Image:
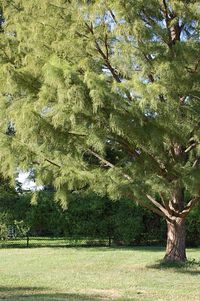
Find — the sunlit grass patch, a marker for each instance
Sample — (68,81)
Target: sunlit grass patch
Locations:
(95,274)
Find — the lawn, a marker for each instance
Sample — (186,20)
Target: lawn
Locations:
(94,274)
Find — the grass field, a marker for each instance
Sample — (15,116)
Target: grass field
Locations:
(94,274)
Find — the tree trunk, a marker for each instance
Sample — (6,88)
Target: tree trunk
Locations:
(175,250)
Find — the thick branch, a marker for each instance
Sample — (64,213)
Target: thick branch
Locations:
(159,209)
(161,169)
(106,162)
(192,146)
(158,205)
(166,203)
(189,206)
(153,209)
(196,162)
(101,159)
(145,205)
(77,134)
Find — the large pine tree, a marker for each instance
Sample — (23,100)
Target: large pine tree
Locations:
(105,95)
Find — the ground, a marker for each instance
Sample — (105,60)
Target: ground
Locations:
(96,274)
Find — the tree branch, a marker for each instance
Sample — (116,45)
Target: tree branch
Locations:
(101,159)
(112,15)
(158,205)
(196,162)
(151,77)
(166,203)
(159,209)
(189,206)
(106,45)
(153,209)
(105,57)
(107,163)
(53,163)
(126,145)
(192,146)
(167,19)
(145,205)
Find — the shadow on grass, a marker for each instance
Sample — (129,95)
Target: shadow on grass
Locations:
(191,267)
(93,248)
(36,293)
(130,248)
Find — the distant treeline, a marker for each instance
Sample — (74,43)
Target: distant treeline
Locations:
(87,215)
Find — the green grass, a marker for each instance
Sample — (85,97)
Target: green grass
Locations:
(94,274)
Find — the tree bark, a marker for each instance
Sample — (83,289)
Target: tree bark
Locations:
(175,250)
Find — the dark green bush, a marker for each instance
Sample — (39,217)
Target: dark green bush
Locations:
(88,215)
(193,227)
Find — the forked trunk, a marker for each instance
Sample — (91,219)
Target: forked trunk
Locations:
(175,250)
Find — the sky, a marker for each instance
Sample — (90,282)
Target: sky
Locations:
(26,182)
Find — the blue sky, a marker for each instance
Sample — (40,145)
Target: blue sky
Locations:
(26,182)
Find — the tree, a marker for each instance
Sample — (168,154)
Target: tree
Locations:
(9,197)
(46,217)
(193,227)
(104,95)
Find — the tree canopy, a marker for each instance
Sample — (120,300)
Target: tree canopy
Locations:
(104,95)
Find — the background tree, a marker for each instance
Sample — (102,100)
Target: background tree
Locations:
(105,95)
(9,197)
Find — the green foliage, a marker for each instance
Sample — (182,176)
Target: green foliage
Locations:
(102,95)
(45,217)
(193,227)
(4,219)
(128,226)
(9,198)
(21,228)
(87,215)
